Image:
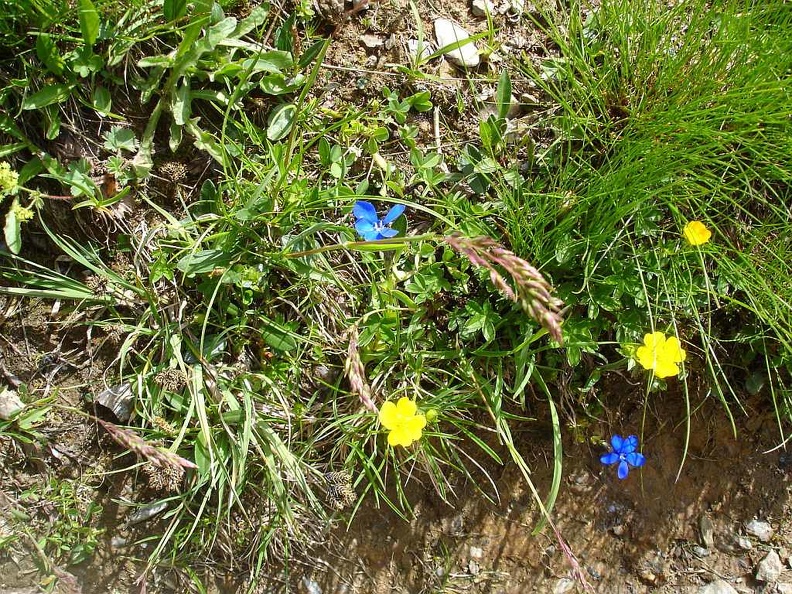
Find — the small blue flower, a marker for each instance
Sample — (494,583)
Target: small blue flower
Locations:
(370,226)
(624,453)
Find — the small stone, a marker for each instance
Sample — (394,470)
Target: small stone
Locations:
(448,33)
(310,586)
(515,8)
(760,529)
(419,50)
(784,588)
(769,569)
(473,568)
(743,542)
(476,552)
(700,552)
(10,404)
(563,586)
(481,8)
(706,532)
(371,41)
(717,587)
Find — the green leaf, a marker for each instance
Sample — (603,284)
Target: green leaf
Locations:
(271,61)
(277,337)
(55,93)
(86,62)
(102,101)
(203,261)
(154,61)
(120,139)
(175,136)
(278,84)
(256,18)
(52,121)
(47,52)
(308,55)
(181,104)
(89,22)
(503,95)
(174,9)
(13,231)
(280,121)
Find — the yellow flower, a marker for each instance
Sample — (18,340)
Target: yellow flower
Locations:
(696,233)
(661,354)
(8,179)
(403,421)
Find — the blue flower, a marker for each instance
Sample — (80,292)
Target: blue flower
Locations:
(370,226)
(624,453)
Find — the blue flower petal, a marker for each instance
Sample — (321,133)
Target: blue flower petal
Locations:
(365,211)
(393,214)
(618,443)
(609,458)
(623,470)
(635,459)
(630,444)
(362,226)
(388,232)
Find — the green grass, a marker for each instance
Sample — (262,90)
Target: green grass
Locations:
(248,282)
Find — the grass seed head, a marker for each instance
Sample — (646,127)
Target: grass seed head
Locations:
(531,290)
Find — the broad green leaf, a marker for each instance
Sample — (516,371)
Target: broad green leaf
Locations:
(203,261)
(271,61)
(256,18)
(102,101)
(174,9)
(503,95)
(277,84)
(89,22)
(204,141)
(175,136)
(277,337)
(13,231)
(181,104)
(219,32)
(47,52)
(120,139)
(55,93)
(280,121)
(86,62)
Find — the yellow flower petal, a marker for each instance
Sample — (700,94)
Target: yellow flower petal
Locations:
(654,339)
(388,415)
(406,407)
(673,351)
(398,437)
(666,369)
(696,233)
(660,354)
(645,357)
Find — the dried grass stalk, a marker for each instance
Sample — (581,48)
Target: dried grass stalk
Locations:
(531,290)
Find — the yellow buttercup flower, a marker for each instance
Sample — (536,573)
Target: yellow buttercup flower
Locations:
(403,421)
(661,354)
(696,233)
